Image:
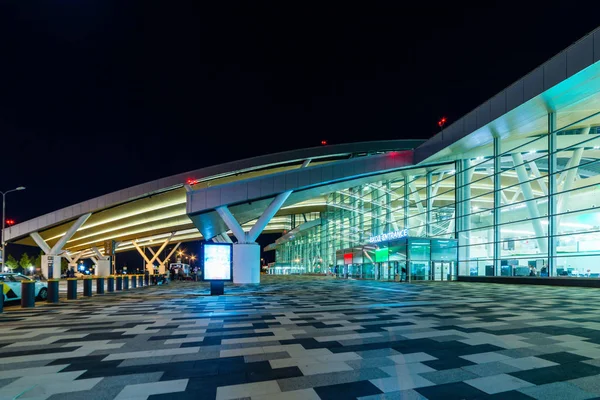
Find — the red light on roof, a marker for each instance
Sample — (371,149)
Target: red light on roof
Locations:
(10,222)
(192,181)
(441,122)
(323,142)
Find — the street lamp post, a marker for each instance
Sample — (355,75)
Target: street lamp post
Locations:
(4,220)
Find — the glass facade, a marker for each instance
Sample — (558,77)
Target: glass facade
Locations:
(523,205)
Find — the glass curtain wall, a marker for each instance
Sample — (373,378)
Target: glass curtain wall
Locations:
(525,205)
(528,208)
(420,201)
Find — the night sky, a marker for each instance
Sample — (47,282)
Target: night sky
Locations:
(100,95)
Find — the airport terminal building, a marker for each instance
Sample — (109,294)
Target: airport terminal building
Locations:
(510,189)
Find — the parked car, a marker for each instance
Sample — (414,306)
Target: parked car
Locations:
(12,286)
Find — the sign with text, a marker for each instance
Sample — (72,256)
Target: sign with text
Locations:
(217,261)
(384,237)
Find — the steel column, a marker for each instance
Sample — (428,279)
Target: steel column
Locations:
(552,194)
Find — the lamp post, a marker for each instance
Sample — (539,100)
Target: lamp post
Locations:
(4,220)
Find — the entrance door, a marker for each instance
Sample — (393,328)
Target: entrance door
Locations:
(437,271)
(444,270)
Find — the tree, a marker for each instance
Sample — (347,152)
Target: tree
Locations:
(11,263)
(64,265)
(37,261)
(25,262)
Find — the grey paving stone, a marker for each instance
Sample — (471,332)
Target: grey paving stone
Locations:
(449,376)
(265,357)
(6,381)
(491,368)
(134,362)
(448,338)
(589,384)
(195,356)
(370,363)
(400,395)
(332,378)
(541,340)
(557,391)
(5,366)
(377,353)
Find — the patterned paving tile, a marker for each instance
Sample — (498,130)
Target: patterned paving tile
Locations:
(295,337)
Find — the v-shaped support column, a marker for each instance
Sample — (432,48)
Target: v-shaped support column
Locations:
(246,252)
(51,258)
(102,262)
(162,267)
(150,261)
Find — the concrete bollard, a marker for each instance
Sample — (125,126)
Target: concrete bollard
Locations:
(140,280)
(111,284)
(119,282)
(27,294)
(87,287)
(99,285)
(52,291)
(126,282)
(133,281)
(71,288)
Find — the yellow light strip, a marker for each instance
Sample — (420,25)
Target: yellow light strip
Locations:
(145,221)
(127,215)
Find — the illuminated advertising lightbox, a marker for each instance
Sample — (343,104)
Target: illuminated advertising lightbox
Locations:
(217,262)
(348,258)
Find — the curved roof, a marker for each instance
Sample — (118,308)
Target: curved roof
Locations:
(156,209)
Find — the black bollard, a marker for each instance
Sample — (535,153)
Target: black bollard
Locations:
(119,282)
(133,281)
(100,286)
(126,282)
(147,279)
(140,280)
(111,284)
(27,294)
(87,287)
(1,297)
(72,289)
(52,291)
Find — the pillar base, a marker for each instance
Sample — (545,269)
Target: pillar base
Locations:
(150,268)
(246,263)
(103,268)
(51,266)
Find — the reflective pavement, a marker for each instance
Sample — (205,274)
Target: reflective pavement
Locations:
(307,338)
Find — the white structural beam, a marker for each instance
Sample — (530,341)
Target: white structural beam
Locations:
(171,253)
(266,216)
(305,163)
(142,253)
(532,208)
(536,172)
(570,178)
(232,223)
(72,258)
(98,254)
(69,234)
(156,254)
(225,238)
(162,247)
(40,242)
